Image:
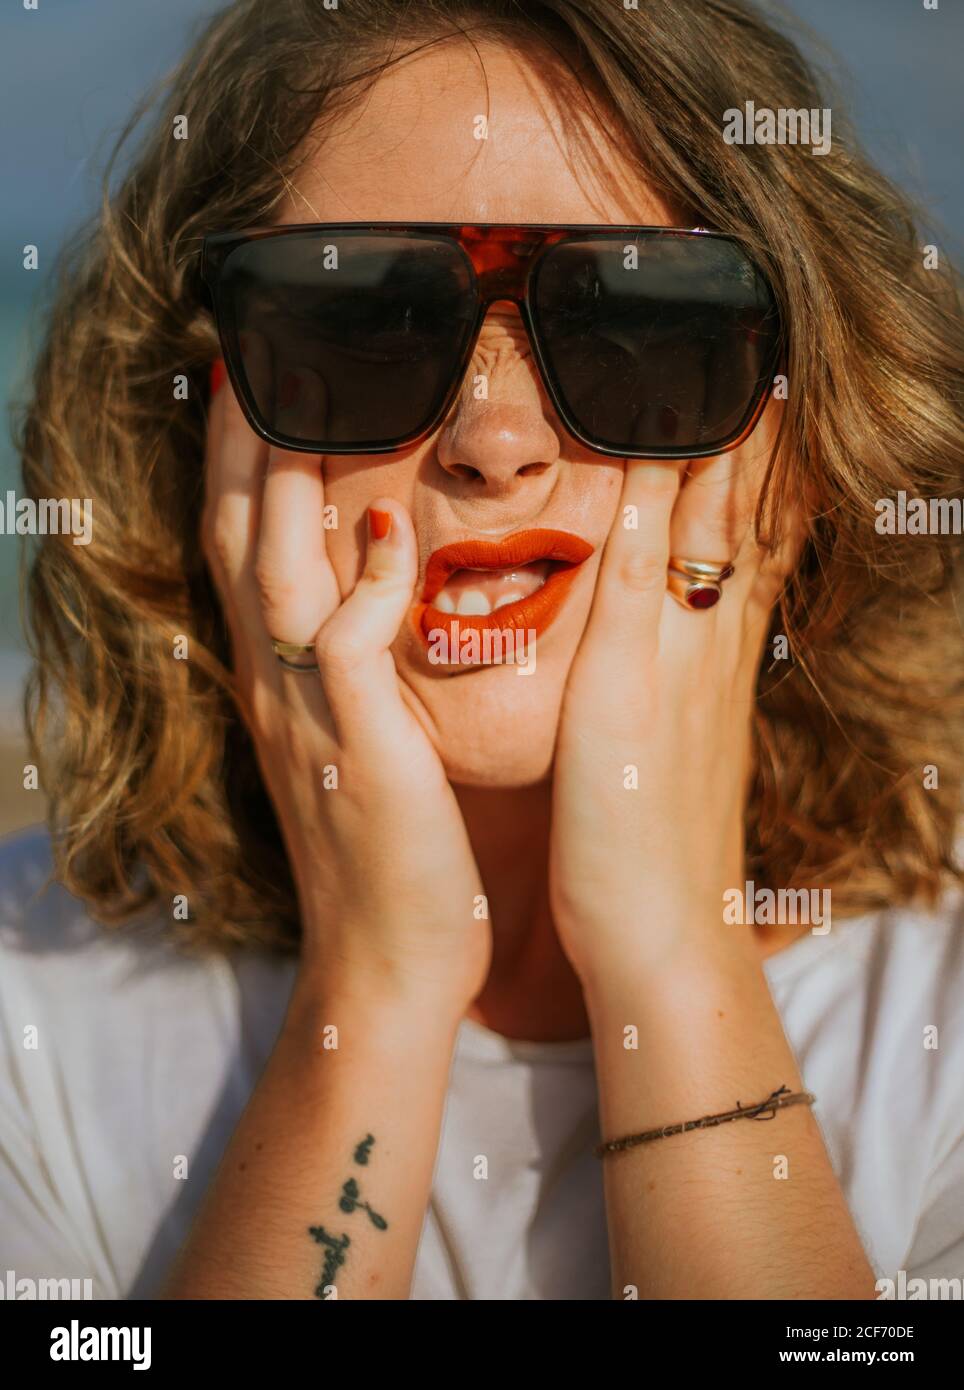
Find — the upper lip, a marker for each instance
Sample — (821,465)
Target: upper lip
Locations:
(521,548)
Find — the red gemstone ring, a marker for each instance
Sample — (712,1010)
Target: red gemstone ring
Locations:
(697,583)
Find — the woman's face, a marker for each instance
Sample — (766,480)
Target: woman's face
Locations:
(408,151)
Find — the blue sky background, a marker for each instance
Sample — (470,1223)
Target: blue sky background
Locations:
(73,70)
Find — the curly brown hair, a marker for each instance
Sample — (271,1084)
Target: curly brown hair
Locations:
(153,785)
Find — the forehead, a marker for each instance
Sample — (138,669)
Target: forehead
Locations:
(471,133)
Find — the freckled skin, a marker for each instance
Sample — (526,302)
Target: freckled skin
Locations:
(496,466)
(599,907)
(505,463)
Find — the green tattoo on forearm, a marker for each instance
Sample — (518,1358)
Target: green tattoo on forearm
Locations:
(348,1202)
(333,1257)
(363,1150)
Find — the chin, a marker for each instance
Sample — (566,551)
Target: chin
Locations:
(522,767)
(493,727)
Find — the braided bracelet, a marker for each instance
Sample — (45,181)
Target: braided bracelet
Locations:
(766,1110)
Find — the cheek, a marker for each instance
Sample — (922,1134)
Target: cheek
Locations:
(350,488)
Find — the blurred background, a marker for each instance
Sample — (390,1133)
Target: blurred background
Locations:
(74,69)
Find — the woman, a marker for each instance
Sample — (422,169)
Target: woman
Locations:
(470,914)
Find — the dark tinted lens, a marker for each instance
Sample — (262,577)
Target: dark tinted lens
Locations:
(348,340)
(659,344)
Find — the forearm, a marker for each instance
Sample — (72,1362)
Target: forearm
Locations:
(272,1225)
(747,1209)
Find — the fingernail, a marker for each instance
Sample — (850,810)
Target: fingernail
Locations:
(219,375)
(379,523)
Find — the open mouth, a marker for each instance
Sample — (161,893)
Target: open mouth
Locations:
(519,582)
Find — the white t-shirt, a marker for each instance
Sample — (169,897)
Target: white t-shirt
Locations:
(143,1054)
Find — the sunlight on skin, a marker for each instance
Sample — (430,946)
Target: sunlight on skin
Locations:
(506,464)
(399,157)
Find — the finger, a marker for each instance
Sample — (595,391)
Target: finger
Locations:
(714,510)
(631,586)
(295,578)
(297,584)
(234,464)
(356,665)
(303,402)
(713,522)
(719,501)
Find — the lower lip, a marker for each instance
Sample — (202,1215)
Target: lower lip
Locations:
(531,614)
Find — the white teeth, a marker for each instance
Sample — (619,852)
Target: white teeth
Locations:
(472,602)
(509,587)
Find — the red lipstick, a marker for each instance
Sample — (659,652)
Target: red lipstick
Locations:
(563,551)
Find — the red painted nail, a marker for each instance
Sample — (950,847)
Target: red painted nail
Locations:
(219,375)
(379,523)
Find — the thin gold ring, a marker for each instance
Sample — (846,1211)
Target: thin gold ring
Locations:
(702,569)
(284,651)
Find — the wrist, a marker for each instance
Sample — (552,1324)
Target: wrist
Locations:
(693,962)
(391,1010)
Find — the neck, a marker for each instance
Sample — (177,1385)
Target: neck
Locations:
(532,992)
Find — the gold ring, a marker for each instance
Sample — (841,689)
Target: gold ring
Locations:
(292,648)
(702,569)
(284,651)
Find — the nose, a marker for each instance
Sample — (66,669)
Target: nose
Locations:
(498,438)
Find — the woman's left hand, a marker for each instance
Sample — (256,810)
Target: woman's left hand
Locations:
(653,757)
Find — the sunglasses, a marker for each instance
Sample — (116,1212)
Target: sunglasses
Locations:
(354,338)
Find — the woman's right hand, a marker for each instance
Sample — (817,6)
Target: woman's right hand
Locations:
(386,879)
